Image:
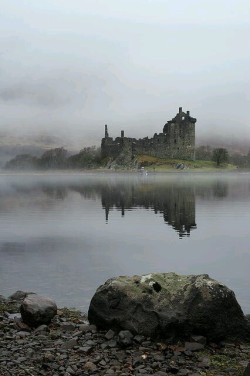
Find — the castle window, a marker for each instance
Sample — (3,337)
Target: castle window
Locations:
(175,140)
(183,117)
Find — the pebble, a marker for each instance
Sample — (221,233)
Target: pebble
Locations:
(69,346)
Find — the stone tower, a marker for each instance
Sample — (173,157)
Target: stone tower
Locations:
(177,141)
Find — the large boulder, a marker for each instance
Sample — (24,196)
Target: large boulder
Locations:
(168,305)
(37,310)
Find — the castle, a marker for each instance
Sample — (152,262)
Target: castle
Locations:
(177,141)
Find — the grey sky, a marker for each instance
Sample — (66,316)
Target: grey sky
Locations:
(72,66)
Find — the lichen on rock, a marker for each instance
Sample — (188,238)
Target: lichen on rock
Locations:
(168,305)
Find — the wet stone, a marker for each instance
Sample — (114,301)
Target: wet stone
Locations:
(193,346)
(125,338)
(110,334)
(86,351)
(70,344)
(67,326)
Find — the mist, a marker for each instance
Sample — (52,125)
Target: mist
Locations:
(68,68)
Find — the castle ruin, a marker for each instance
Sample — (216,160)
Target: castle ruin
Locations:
(177,141)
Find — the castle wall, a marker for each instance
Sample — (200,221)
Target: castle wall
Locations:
(177,141)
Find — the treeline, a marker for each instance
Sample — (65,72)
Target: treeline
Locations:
(222,156)
(90,157)
(58,158)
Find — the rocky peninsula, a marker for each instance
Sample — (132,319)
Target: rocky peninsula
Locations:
(37,338)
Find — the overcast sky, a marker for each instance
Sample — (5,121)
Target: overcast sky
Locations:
(71,66)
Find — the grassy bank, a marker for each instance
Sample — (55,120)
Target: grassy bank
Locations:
(161,164)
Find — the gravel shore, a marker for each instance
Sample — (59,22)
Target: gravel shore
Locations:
(70,346)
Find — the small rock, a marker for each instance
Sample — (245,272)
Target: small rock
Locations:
(193,346)
(67,326)
(70,344)
(23,334)
(112,343)
(198,339)
(37,310)
(85,349)
(90,366)
(42,328)
(110,334)
(125,338)
(21,325)
(87,328)
(19,295)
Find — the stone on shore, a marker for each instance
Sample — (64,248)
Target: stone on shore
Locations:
(247,370)
(168,305)
(37,310)
(19,295)
(82,350)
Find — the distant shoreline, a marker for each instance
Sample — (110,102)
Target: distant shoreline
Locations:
(150,171)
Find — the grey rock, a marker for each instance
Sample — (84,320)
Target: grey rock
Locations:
(21,325)
(42,328)
(204,362)
(125,338)
(139,338)
(19,295)
(198,339)
(168,304)
(87,328)
(23,334)
(110,334)
(13,316)
(90,366)
(70,344)
(67,326)
(183,372)
(112,343)
(193,346)
(37,310)
(247,370)
(85,349)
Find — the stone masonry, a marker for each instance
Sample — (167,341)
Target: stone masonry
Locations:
(176,141)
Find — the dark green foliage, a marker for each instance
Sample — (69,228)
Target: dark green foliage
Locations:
(220,156)
(239,160)
(53,158)
(23,162)
(248,159)
(88,157)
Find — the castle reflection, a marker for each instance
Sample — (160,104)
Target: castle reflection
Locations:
(175,203)
(171,198)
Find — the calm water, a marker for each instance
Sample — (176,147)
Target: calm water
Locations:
(62,235)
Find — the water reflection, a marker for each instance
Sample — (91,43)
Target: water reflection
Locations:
(175,203)
(55,239)
(174,199)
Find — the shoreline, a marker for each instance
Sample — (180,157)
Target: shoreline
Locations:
(151,171)
(69,345)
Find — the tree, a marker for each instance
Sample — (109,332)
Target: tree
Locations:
(238,159)
(22,162)
(220,156)
(203,152)
(248,159)
(88,157)
(54,158)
